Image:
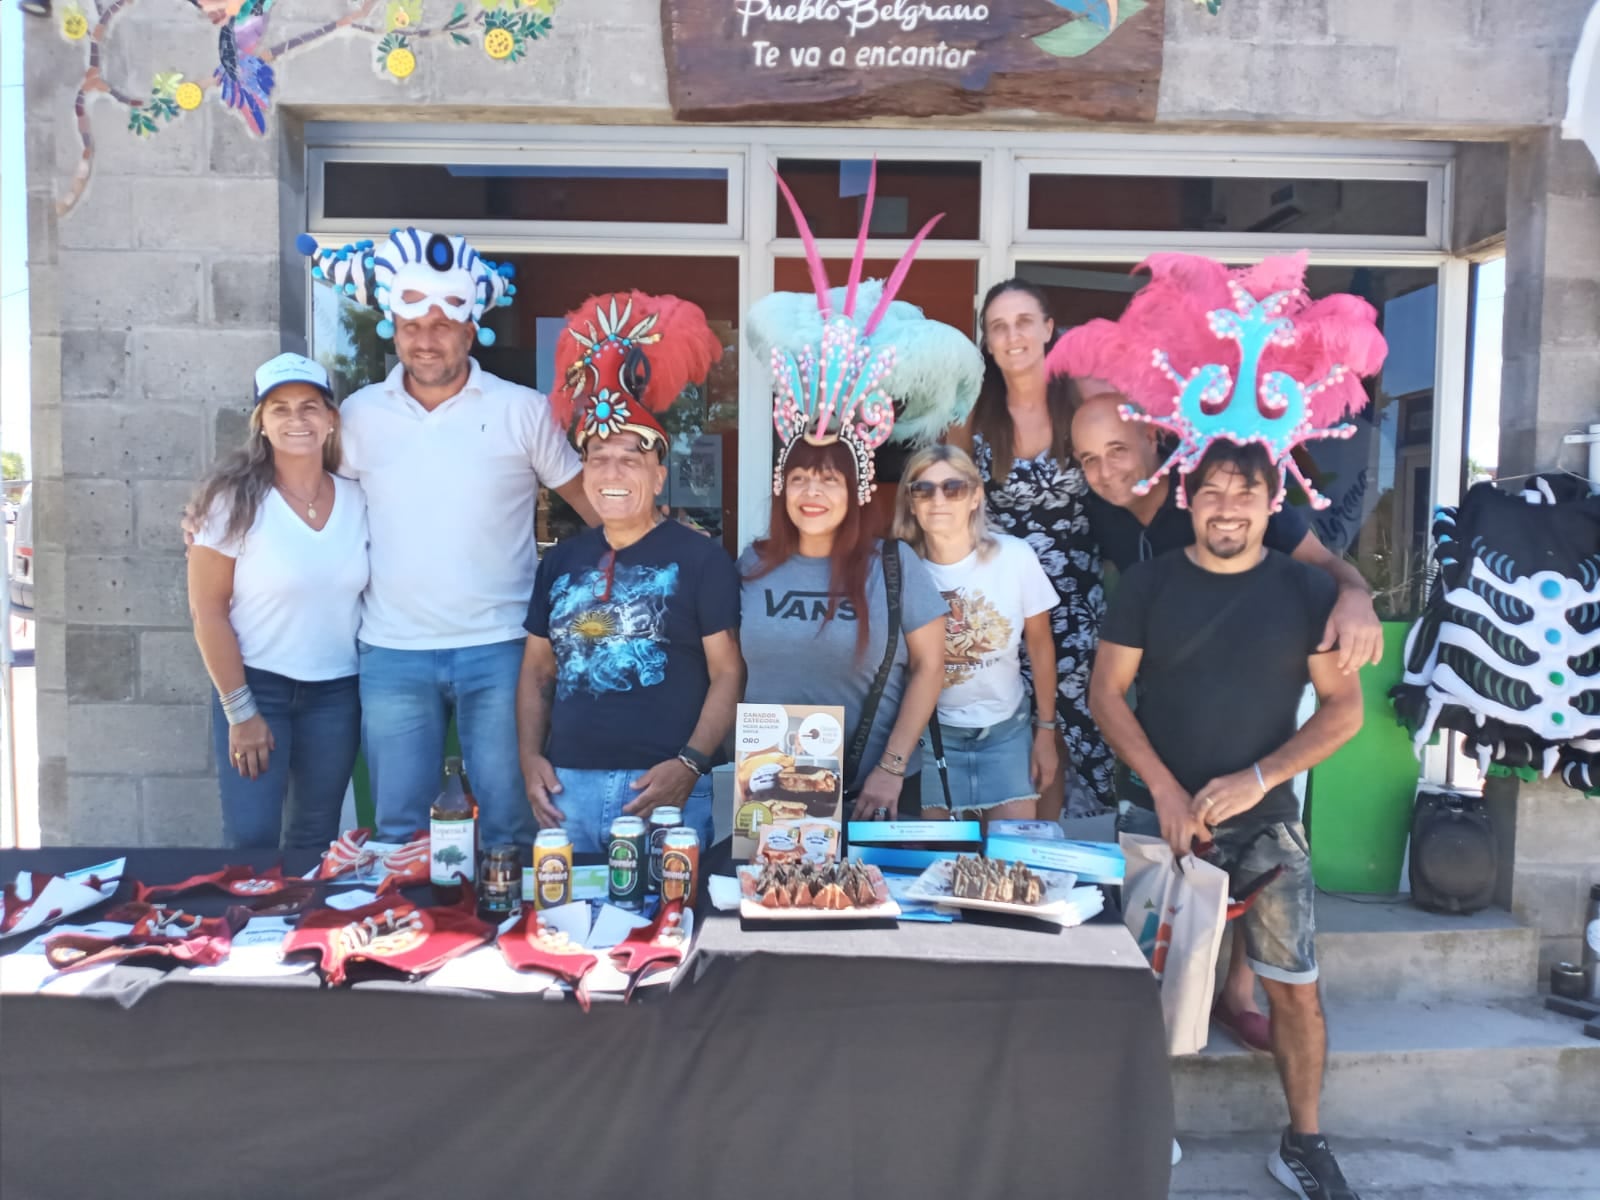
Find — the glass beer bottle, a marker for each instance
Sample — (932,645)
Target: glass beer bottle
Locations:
(452,835)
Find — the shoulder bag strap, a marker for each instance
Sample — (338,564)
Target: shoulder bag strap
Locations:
(937,738)
(869,707)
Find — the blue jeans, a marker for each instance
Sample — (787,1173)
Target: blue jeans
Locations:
(316,728)
(407,697)
(591,800)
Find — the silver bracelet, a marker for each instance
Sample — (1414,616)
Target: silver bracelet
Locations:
(1038,724)
(239,705)
(1259,778)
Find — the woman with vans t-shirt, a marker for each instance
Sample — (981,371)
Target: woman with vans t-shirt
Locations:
(999,752)
(275,581)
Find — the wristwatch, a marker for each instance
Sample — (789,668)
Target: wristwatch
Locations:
(701,763)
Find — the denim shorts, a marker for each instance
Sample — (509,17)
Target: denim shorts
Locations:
(986,767)
(1280,928)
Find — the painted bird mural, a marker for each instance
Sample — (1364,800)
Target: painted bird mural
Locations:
(243,80)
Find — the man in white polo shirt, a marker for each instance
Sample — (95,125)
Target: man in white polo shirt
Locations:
(451,459)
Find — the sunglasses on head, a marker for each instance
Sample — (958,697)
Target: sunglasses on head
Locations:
(953,489)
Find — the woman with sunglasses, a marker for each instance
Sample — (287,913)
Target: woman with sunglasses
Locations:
(999,750)
(1020,437)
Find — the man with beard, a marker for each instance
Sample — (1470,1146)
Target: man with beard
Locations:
(1116,454)
(1221,639)
(451,459)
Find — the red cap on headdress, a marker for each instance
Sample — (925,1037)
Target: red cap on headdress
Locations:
(624,357)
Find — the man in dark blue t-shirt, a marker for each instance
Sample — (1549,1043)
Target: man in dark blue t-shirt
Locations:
(1115,454)
(632,670)
(1222,638)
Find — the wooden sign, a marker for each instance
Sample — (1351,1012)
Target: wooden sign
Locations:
(805,60)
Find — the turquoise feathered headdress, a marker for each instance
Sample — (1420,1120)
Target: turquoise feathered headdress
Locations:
(841,376)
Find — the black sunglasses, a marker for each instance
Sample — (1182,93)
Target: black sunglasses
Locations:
(953,489)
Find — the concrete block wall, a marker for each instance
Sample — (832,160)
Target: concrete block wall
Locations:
(1550,843)
(1550,383)
(155,295)
(151,300)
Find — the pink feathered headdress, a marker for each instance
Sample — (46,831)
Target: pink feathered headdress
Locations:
(1205,352)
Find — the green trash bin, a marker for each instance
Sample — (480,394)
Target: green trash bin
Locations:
(1359,801)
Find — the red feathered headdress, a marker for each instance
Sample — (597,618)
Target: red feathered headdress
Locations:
(624,357)
(1205,352)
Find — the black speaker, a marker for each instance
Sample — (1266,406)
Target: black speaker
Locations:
(1454,853)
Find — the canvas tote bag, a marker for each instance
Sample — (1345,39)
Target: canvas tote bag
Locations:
(1176,910)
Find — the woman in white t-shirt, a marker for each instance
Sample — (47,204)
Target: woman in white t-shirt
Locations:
(999,751)
(275,582)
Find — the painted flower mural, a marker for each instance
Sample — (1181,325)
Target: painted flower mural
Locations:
(244,76)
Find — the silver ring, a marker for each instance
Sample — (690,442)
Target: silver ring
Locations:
(1208,802)
(879,813)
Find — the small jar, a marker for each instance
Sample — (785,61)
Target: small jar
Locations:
(500,883)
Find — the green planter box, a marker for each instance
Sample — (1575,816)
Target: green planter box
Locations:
(1359,802)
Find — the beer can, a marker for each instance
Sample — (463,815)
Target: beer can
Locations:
(552,868)
(662,820)
(680,866)
(499,882)
(627,862)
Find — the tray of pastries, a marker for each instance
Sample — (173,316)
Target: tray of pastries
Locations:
(806,892)
(995,885)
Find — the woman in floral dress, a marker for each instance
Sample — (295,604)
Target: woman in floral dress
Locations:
(1024,419)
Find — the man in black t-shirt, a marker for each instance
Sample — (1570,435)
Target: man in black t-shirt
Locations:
(632,670)
(1222,638)
(1115,454)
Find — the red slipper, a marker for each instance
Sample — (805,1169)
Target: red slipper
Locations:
(1250,1029)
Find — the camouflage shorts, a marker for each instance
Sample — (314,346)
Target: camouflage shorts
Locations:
(1280,928)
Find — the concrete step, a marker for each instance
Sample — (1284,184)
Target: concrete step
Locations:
(1395,1065)
(1374,949)
(1441,1163)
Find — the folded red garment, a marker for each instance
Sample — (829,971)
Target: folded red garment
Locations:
(158,932)
(265,892)
(531,945)
(392,933)
(400,867)
(660,943)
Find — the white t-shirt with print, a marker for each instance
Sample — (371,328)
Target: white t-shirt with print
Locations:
(989,601)
(296,590)
(451,497)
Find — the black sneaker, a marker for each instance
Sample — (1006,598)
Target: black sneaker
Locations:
(1304,1164)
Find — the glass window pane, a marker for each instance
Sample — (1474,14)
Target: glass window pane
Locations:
(1379,482)
(524,192)
(703,461)
(831,193)
(1228,204)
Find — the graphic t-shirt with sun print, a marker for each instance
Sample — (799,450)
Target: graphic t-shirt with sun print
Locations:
(627,633)
(990,599)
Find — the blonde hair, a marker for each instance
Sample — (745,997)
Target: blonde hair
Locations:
(905,520)
(242,478)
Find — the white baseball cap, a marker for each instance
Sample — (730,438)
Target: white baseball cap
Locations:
(291,368)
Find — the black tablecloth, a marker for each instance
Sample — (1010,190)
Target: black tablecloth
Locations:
(928,1061)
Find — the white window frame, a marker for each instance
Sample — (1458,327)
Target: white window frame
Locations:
(1007,157)
(1429,169)
(453,153)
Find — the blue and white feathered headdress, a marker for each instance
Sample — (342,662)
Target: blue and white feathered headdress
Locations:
(434,269)
(839,376)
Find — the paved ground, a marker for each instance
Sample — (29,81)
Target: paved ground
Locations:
(1525,1164)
